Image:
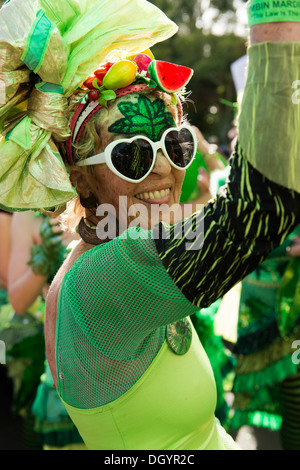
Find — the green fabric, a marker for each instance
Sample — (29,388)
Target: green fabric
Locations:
(189,191)
(49,88)
(37,42)
(272,10)
(90,31)
(186,420)
(270,139)
(266,377)
(268,326)
(136,262)
(52,422)
(23,185)
(259,419)
(289,297)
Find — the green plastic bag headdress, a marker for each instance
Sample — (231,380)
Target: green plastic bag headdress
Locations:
(47,49)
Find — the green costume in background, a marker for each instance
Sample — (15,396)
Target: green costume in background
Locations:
(46,422)
(269,322)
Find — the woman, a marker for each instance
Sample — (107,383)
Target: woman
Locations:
(5,229)
(115,345)
(141,339)
(122,352)
(38,248)
(5,245)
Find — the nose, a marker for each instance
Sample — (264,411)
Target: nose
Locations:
(162,166)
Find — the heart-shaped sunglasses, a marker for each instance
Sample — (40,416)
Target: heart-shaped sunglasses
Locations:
(133,159)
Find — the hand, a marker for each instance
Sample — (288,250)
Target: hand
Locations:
(203,145)
(203,181)
(294,250)
(65,237)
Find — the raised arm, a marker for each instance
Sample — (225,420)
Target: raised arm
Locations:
(260,205)
(5,230)
(24,286)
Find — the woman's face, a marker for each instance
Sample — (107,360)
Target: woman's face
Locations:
(139,202)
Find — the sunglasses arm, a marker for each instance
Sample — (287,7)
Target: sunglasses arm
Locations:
(96,159)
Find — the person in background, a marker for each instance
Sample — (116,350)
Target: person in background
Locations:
(266,385)
(38,248)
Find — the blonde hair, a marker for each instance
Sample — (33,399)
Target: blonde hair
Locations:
(90,143)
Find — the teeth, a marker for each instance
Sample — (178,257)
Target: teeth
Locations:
(154,195)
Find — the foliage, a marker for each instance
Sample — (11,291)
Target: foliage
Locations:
(33,349)
(210,56)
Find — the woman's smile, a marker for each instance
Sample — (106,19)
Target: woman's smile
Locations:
(155,196)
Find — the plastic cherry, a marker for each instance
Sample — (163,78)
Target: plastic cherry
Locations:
(93,95)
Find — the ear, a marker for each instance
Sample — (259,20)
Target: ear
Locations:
(80,181)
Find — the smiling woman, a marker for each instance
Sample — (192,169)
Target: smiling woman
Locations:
(138,172)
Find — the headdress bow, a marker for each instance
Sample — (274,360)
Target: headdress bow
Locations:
(47,49)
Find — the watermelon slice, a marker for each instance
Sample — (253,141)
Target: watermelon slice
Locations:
(169,77)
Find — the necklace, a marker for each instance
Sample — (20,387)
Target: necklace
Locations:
(88,233)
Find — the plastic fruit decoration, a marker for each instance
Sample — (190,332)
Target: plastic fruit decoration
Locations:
(89,83)
(102,70)
(146,52)
(169,77)
(120,75)
(143,61)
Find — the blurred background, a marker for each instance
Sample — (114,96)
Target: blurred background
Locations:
(212,35)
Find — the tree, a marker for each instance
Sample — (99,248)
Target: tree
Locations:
(210,56)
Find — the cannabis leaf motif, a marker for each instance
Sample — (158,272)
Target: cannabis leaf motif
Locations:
(145,117)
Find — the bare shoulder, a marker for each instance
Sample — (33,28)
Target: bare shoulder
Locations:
(52,301)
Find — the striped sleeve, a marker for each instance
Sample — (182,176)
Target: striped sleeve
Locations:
(219,246)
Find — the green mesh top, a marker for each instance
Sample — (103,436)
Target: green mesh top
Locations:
(118,298)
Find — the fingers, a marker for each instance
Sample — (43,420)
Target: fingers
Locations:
(295,247)
(55,226)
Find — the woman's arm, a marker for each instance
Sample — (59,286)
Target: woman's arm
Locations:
(274,32)
(24,286)
(5,230)
(253,214)
(249,218)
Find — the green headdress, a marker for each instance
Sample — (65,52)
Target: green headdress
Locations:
(47,50)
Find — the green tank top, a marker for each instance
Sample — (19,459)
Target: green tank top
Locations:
(171,407)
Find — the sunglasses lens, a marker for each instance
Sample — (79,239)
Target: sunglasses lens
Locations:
(180,146)
(133,159)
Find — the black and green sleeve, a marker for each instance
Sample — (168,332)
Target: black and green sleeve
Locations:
(250,217)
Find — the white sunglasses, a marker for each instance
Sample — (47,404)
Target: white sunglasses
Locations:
(133,159)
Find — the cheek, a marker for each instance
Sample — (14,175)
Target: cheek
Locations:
(110,187)
(179,177)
